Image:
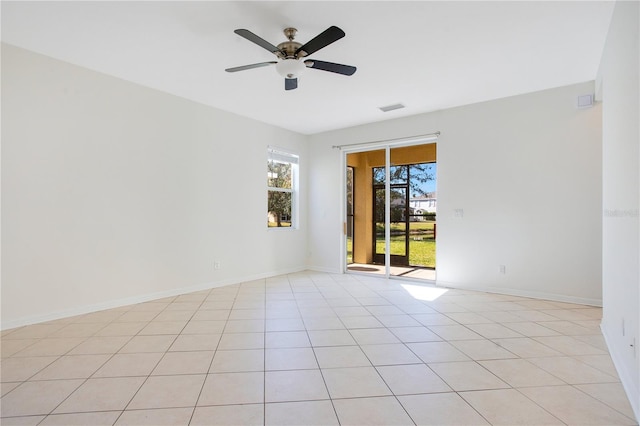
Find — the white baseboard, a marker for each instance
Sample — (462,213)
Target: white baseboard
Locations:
(625,376)
(524,293)
(324,269)
(117,303)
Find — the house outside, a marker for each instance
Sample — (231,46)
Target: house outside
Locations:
(423,204)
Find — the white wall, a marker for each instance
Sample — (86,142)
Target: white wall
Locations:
(114,193)
(526,171)
(618,81)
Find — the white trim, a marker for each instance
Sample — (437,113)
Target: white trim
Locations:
(343,209)
(282,155)
(325,269)
(524,293)
(117,303)
(625,376)
(387,214)
(391,143)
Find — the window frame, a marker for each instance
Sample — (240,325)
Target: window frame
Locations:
(284,156)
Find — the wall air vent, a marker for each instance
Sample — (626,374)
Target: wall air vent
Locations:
(391,107)
(585,101)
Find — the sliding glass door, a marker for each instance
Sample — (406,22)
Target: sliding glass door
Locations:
(390,200)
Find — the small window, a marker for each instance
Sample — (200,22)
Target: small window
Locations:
(282,181)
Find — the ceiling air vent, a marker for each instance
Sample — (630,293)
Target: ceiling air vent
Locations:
(391,107)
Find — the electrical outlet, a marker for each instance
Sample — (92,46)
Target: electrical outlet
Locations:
(503,269)
(216,264)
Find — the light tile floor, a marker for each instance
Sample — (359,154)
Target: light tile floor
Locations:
(316,349)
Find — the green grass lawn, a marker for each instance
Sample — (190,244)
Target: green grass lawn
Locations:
(421,253)
(422,245)
(415,228)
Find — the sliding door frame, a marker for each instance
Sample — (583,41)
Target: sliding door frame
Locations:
(387,145)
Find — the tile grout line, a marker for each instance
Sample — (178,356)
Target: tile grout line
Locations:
(315,355)
(264,357)
(173,299)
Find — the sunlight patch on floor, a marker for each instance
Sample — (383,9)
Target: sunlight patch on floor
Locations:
(428,294)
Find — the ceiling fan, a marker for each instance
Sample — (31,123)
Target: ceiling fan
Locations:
(292,54)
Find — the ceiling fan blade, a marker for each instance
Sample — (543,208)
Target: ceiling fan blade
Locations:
(290,83)
(323,39)
(331,67)
(248,67)
(258,40)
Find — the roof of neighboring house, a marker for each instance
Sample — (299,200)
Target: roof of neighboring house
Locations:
(427,196)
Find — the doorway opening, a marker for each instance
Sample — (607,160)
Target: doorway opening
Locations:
(412,202)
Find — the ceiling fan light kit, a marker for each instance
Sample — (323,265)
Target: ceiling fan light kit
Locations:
(290,68)
(291,53)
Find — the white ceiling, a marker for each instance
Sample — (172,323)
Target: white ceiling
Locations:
(426,55)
